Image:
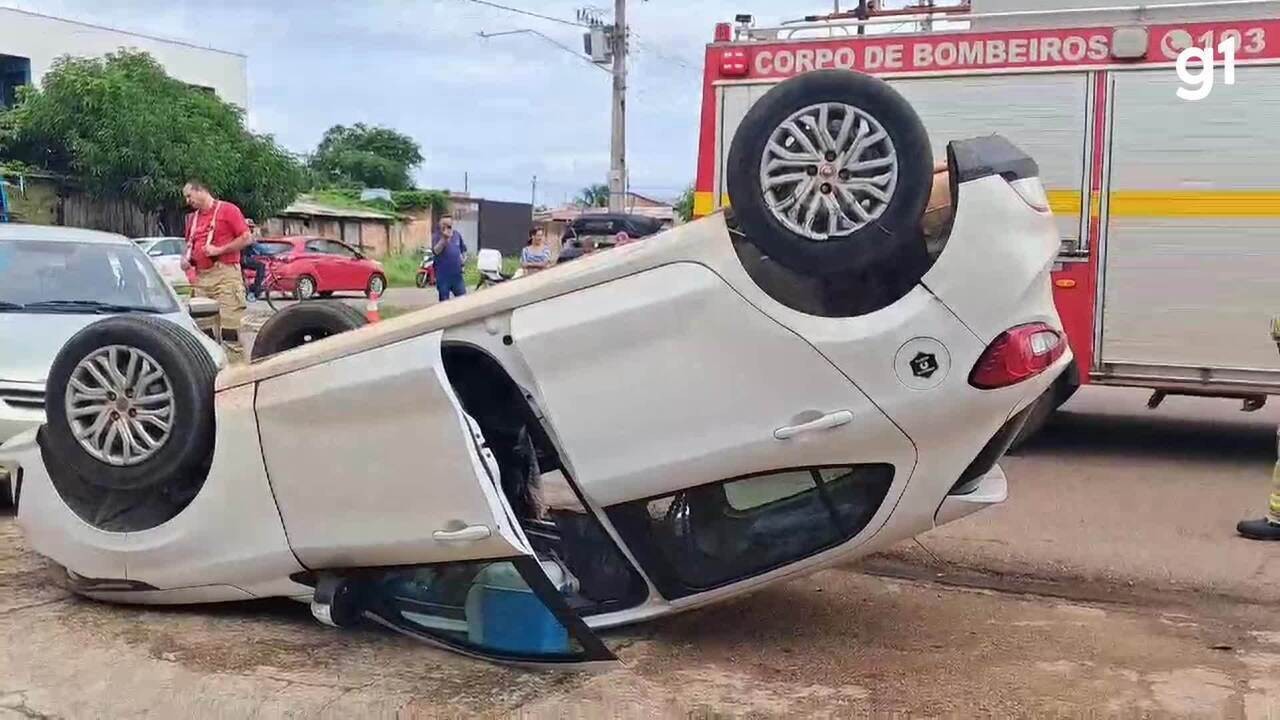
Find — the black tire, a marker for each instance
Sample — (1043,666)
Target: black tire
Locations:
(326,294)
(190,373)
(892,239)
(303,323)
(421,280)
(300,291)
(1047,404)
(375,279)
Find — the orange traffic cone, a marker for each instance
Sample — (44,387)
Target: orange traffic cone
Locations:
(371,309)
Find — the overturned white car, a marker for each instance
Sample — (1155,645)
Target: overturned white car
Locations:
(645,430)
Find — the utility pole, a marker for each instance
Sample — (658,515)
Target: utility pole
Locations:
(926,25)
(533,193)
(618,138)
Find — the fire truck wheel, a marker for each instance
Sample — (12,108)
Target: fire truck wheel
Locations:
(830,172)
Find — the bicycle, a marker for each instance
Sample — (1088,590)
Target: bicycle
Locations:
(271,284)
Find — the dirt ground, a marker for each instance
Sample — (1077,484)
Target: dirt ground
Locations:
(840,642)
(1110,585)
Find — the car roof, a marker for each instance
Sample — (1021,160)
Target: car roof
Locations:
(50,233)
(612,223)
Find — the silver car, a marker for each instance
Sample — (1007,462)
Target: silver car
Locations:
(55,281)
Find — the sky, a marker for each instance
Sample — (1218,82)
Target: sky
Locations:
(500,110)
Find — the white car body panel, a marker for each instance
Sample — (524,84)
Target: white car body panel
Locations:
(671,326)
(986,274)
(429,475)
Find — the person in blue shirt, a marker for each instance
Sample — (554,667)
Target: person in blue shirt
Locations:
(450,253)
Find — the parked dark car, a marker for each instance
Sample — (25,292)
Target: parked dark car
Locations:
(600,230)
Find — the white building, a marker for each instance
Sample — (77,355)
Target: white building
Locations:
(29,43)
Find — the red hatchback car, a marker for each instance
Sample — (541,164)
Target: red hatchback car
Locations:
(306,267)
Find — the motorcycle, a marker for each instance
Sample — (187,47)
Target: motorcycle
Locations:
(489,263)
(426,270)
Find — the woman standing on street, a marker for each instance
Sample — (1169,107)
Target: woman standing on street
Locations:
(536,254)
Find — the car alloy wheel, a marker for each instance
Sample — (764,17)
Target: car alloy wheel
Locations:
(828,170)
(306,288)
(377,285)
(829,174)
(120,405)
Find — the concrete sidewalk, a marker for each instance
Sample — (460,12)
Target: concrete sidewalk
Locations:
(1133,498)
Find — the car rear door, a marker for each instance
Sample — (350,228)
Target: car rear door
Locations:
(720,446)
(384,484)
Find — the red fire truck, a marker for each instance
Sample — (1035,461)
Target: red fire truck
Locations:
(1169,209)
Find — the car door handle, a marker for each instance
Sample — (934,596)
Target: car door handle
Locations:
(466,534)
(826,422)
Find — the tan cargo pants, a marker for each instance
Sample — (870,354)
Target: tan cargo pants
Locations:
(224,284)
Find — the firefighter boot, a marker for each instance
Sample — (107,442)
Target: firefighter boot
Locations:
(1262,529)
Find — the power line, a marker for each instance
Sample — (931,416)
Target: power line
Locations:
(548,38)
(655,51)
(519,11)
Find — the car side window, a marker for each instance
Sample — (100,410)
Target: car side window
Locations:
(340,249)
(714,535)
(317,246)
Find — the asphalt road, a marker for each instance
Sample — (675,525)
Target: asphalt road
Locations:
(1124,498)
(1110,584)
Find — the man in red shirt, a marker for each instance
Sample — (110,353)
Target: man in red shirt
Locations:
(216,233)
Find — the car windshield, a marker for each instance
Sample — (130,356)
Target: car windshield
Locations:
(274,247)
(58,276)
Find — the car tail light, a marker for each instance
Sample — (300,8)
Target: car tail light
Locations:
(1018,354)
(283,258)
(1031,190)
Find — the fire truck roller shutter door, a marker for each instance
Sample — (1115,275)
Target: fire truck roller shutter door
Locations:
(1044,114)
(830,172)
(1193,219)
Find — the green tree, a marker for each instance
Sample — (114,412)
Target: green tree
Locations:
(596,195)
(127,130)
(684,204)
(364,156)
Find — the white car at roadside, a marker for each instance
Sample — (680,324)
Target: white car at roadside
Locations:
(166,253)
(56,281)
(669,424)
